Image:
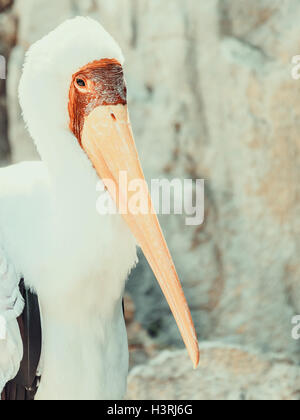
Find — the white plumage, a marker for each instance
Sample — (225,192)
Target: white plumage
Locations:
(51,234)
(11,306)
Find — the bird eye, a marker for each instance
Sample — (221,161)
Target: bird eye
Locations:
(80,82)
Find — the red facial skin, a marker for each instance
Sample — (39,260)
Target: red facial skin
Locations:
(104,84)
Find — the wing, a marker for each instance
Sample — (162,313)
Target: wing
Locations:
(11,306)
(24,205)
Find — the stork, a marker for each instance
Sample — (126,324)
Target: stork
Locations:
(74,260)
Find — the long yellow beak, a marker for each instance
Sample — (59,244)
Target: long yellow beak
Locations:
(108,141)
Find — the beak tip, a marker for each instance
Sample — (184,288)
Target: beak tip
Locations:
(194,354)
(196,360)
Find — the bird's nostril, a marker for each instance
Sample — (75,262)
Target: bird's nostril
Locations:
(113,117)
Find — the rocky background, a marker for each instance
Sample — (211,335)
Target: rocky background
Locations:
(211,96)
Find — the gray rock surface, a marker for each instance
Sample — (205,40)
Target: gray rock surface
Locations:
(225,373)
(7,41)
(211,96)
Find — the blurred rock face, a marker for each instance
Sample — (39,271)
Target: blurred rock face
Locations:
(225,373)
(211,96)
(7,41)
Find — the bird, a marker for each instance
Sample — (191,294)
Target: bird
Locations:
(61,259)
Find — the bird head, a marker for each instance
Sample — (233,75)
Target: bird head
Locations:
(81,63)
